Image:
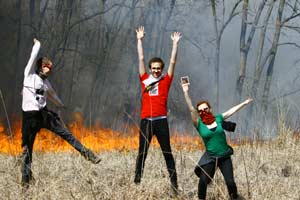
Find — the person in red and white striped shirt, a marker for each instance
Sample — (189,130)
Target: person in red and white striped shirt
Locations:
(155,88)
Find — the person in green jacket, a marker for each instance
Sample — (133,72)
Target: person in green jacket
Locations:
(217,152)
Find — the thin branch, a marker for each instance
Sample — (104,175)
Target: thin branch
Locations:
(290,18)
(196,45)
(285,95)
(6,115)
(289,43)
(294,28)
(256,20)
(95,15)
(231,16)
(70,50)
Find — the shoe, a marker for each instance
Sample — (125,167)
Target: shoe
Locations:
(26,182)
(31,179)
(174,189)
(239,197)
(25,187)
(137,179)
(90,156)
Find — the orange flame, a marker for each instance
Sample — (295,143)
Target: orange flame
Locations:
(96,138)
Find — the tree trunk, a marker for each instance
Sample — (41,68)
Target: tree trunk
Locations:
(74,78)
(243,52)
(217,56)
(19,68)
(259,64)
(102,73)
(245,46)
(218,35)
(274,47)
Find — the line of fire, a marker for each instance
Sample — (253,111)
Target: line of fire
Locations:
(96,138)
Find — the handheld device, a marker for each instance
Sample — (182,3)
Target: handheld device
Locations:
(185,80)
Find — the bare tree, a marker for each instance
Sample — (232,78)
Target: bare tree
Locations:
(267,59)
(245,43)
(218,31)
(273,50)
(259,61)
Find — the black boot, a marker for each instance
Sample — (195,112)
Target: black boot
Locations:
(238,197)
(138,173)
(174,186)
(26,181)
(27,177)
(137,179)
(90,156)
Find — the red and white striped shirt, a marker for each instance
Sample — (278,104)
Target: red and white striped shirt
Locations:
(154,102)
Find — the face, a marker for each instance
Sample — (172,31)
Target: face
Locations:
(156,69)
(203,107)
(46,68)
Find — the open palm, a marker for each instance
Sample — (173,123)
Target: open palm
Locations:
(140,32)
(176,36)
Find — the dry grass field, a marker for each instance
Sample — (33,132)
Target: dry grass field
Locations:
(263,170)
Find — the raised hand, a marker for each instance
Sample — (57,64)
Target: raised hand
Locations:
(247,101)
(35,40)
(176,36)
(140,32)
(236,108)
(185,87)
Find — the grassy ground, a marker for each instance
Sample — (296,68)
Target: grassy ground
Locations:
(269,170)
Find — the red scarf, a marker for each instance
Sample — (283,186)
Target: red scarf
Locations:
(207,117)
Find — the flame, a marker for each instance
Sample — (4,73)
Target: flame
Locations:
(96,138)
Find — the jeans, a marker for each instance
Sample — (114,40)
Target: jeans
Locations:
(225,165)
(159,128)
(33,121)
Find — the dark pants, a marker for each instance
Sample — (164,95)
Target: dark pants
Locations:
(207,173)
(159,128)
(33,121)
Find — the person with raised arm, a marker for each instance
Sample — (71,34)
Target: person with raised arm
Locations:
(218,152)
(35,114)
(155,89)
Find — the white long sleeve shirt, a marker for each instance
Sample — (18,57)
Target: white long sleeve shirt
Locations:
(33,85)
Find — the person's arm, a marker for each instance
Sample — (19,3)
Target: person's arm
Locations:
(175,37)
(140,33)
(34,52)
(194,114)
(236,108)
(54,97)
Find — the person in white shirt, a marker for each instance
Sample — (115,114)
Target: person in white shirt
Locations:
(35,115)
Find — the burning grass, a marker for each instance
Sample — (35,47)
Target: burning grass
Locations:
(96,138)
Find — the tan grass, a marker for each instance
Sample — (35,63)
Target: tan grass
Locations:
(273,172)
